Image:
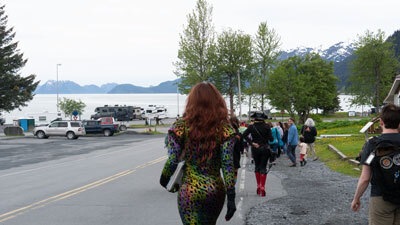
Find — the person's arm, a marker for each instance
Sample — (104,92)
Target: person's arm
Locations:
(246,135)
(314,131)
(229,175)
(362,185)
(174,151)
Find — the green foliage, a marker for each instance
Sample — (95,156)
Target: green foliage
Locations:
(395,40)
(15,90)
(299,85)
(69,105)
(373,69)
(196,54)
(316,118)
(350,146)
(266,44)
(340,123)
(234,55)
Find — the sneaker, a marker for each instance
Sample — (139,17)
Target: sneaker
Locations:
(305,162)
(301,163)
(316,158)
(293,165)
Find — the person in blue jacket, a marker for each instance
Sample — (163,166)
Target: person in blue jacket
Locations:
(292,141)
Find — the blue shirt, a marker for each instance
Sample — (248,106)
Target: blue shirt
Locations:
(293,137)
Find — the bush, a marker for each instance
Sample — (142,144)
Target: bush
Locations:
(340,123)
(316,118)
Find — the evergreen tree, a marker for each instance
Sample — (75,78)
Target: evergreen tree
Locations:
(196,52)
(373,69)
(266,44)
(15,90)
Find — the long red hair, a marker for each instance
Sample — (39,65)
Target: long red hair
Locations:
(205,115)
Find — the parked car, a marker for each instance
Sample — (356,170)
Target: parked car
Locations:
(120,126)
(69,129)
(95,127)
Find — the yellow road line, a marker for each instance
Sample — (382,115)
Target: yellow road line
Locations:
(14,213)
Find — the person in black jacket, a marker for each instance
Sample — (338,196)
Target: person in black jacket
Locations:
(309,132)
(238,147)
(261,136)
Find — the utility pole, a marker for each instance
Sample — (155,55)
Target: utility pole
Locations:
(240,96)
(57,87)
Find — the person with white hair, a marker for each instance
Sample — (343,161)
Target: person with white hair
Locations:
(309,132)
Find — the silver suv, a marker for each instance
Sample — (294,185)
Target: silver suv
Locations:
(70,129)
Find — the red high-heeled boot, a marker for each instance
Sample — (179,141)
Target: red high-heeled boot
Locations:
(263,178)
(258,178)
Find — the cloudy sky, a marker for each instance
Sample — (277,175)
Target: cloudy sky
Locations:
(131,41)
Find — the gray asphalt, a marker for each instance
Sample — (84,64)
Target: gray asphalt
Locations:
(114,180)
(98,180)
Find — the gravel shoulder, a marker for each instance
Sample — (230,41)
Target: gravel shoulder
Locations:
(315,195)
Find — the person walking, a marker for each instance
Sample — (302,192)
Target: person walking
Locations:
(380,165)
(260,137)
(205,140)
(309,133)
(292,141)
(238,147)
(279,127)
(275,143)
(285,137)
(303,152)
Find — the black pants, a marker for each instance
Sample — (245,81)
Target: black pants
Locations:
(261,157)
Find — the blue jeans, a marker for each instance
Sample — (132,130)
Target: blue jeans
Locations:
(285,146)
(291,153)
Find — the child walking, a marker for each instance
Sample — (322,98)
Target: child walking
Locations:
(303,152)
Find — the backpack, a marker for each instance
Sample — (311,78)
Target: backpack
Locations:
(387,161)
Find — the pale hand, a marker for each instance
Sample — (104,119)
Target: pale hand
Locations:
(355,205)
(256,145)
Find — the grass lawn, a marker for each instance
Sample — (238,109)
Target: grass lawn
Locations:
(350,146)
(146,126)
(354,129)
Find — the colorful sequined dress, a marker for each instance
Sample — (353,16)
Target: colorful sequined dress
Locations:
(202,194)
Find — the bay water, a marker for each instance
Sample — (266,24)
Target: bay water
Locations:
(46,104)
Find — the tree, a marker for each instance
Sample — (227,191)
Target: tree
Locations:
(234,55)
(15,90)
(266,44)
(373,69)
(68,106)
(299,85)
(196,52)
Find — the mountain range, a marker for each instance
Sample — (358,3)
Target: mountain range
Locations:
(70,87)
(341,54)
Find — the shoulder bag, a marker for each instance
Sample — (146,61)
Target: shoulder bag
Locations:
(175,181)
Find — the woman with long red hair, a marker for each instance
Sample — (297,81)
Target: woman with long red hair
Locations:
(204,139)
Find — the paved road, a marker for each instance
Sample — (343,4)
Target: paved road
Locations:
(97,180)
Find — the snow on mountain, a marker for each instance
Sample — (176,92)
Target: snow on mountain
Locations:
(336,53)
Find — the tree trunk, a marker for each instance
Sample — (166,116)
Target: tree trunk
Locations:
(262,102)
(231,94)
(248,116)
